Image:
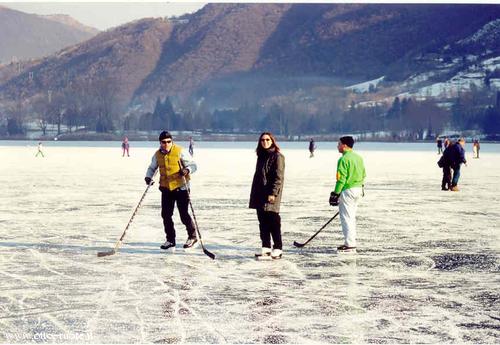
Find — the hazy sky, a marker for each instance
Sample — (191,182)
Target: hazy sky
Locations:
(104,15)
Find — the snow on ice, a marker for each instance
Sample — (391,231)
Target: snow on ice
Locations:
(426,270)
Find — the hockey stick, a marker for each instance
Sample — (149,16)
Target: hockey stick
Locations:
(118,244)
(300,245)
(207,253)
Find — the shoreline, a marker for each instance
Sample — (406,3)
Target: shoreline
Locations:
(197,137)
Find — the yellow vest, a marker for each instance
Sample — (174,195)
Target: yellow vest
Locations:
(169,168)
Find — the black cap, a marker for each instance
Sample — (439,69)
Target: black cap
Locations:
(347,140)
(164,135)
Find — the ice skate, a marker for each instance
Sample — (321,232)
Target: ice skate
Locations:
(168,246)
(346,249)
(191,243)
(263,254)
(276,254)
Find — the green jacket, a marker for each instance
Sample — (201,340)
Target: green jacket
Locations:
(350,171)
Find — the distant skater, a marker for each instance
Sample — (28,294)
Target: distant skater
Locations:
(348,191)
(475,148)
(312,147)
(446,143)
(439,143)
(125,147)
(265,195)
(453,157)
(191,146)
(175,168)
(40,152)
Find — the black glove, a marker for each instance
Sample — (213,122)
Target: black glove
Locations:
(149,181)
(184,172)
(334,199)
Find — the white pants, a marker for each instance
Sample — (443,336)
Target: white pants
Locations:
(348,204)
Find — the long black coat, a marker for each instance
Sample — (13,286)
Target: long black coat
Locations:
(268,180)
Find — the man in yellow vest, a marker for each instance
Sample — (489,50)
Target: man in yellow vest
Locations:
(175,168)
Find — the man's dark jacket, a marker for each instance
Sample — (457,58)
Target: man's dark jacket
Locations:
(454,155)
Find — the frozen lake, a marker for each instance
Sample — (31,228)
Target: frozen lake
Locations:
(427,268)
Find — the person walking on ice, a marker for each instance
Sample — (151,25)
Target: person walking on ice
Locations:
(265,195)
(125,147)
(191,146)
(446,143)
(40,152)
(439,143)
(348,190)
(174,166)
(312,147)
(475,148)
(456,156)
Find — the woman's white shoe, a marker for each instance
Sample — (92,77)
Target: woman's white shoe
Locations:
(276,253)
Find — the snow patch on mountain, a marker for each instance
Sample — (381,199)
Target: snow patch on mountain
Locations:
(473,76)
(489,33)
(491,64)
(365,86)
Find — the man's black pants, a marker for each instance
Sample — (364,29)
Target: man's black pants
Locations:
(270,225)
(446,182)
(168,200)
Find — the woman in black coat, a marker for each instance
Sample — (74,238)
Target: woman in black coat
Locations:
(265,197)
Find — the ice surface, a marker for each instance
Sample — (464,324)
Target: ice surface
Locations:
(427,268)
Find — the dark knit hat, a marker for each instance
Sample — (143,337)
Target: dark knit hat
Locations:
(347,140)
(165,135)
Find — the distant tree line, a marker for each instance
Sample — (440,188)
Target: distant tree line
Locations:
(94,106)
(405,118)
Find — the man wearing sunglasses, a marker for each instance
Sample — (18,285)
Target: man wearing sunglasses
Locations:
(174,166)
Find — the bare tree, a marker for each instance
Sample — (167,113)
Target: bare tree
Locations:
(15,111)
(41,112)
(105,91)
(420,115)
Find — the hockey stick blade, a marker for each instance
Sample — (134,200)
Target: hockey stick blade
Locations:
(108,253)
(298,245)
(209,254)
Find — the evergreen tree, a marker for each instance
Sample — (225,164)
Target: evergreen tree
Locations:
(164,116)
(429,129)
(394,111)
(158,121)
(14,127)
(273,120)
(491,122)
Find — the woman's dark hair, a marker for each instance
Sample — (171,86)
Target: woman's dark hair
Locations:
(274,144)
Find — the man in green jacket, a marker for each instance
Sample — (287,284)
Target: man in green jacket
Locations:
(348,191)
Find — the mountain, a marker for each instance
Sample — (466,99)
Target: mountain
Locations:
(120,58)
(368,40)
(71,22)
(219,40)
(25,36)
(230,54)
(233,50)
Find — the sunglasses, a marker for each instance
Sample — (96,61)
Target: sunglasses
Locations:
(265,139)
(166,141)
